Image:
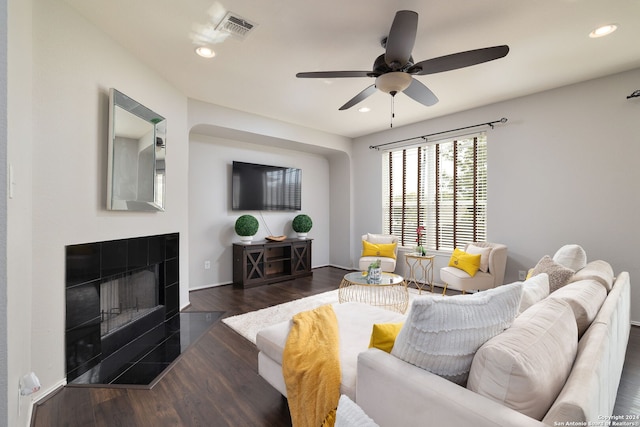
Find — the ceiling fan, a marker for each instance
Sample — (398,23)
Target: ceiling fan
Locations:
(394,69)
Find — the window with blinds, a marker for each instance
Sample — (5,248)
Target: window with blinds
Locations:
(441,187)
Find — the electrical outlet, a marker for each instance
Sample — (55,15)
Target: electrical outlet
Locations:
(522,275)
(207,265)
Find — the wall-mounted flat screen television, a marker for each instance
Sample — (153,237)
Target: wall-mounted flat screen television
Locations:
(265,188)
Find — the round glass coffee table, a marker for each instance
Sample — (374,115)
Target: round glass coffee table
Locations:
(391,293)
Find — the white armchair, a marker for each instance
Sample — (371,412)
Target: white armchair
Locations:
(387,264)
(495,257)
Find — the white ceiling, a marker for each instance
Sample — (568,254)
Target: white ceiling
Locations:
(548,39)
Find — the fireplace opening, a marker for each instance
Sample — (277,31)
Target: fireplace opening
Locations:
(125,299)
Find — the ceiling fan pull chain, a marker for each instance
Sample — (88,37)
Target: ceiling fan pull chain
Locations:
(393,113)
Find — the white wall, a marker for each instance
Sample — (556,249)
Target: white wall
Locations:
(341,210)
(211,219)
(19,207)
(4,361)
(74,67)
(564,169)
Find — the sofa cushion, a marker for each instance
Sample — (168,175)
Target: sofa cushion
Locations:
(534,289)
(441,334)
(585,298)
(355,323)
(571,256)
(559,275)
(526,366)
(598,270)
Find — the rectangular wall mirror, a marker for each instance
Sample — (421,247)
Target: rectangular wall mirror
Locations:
(137,151)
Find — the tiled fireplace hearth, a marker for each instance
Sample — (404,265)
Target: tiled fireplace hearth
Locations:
(122,302)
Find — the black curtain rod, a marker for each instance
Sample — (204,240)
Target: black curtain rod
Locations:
(424,137)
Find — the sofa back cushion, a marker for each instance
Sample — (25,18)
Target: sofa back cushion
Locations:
(585,298)
(526,366)
(442,333)
(599,271)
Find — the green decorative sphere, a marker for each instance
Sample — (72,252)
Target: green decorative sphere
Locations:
(246,225)
(302,223)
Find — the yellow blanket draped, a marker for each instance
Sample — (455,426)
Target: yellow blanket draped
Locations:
(311,367)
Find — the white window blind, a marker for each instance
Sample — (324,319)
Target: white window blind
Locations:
(442,187)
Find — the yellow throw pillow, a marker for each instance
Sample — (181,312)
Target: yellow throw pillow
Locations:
(384,335)
(465,262)
(386,250)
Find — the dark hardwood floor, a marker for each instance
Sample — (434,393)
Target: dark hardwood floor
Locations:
(215,382)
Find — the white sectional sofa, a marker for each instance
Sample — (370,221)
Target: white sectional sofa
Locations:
(561,360)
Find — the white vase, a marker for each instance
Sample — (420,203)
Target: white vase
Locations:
(246,239)
(374,275)
(302,235)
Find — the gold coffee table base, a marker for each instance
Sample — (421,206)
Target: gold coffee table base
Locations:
(391,293)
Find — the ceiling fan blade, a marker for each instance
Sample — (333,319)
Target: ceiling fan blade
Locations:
(419,92)
(458,60)
(359,97)
(401,39)
(333,74)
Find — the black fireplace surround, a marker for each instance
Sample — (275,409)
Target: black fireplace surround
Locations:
(93,356)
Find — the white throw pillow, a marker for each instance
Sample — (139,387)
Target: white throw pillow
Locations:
(441,334)
(380,238)
(484,256)
(534,289)
(571,256)
(349,414)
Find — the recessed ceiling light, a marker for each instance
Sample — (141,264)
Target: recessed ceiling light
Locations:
(205,52)
(364,109)
(605,30)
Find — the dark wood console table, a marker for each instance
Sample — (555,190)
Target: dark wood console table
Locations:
(264,262)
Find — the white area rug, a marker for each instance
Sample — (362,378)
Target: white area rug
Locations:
(248,324)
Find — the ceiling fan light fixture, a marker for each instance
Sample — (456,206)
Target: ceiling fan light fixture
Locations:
(393,82)
(602,31)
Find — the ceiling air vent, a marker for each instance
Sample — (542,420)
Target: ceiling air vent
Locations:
(235,25)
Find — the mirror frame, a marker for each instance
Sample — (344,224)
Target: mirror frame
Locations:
(135,182)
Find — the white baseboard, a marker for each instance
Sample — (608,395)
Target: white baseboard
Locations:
(212,285)
(342,267)
(43,395)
